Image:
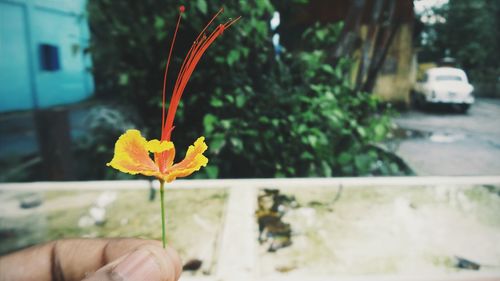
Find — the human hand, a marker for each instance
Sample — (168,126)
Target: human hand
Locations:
(92,260)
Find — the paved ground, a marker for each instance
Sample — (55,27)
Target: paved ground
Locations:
(18,140)
(18,133)
(442,142)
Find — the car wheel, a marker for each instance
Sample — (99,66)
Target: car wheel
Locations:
(422,102)
(413,100)
(464,108)
(417,101)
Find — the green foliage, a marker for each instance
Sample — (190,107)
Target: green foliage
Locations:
(262,115)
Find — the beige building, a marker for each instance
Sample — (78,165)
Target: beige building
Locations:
(399,70)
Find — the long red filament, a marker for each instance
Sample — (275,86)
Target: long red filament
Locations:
(189,64)
(197,46)
(181,10)
(200,45)
(183,76)
(191,61)
(173,103)
(197,43)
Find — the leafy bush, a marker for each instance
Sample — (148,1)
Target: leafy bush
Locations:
(262,115)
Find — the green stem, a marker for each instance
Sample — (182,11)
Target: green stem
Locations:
(162,183)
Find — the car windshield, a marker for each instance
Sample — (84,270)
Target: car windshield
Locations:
(448,78)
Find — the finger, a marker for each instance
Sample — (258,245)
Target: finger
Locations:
(148,262)
(70,259)
(176,260)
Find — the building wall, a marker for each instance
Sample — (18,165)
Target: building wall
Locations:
(399,71)
(42,57)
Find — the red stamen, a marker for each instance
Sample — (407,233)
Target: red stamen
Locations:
(209,23)
(195,46)
(231,22)
(183,77)
(181,10)
(218,31)
(174,101)
(197,40)
(200,45)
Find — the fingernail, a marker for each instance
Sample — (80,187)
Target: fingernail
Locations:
(138,266)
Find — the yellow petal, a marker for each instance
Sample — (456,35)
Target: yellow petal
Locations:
(193,161)
(132,155)
(157,146)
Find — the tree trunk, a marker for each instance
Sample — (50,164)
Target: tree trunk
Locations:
(54,141)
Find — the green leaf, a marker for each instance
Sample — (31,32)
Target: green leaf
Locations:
(380,131)
(338,72)
(279,175)
(321,34)
(327,170)
(245,51)
(306,156)
(344,158)
(229,98)
(212,171)
(159,23)
(202,6)
(237,144)
(123,79)
(226,124)
(233,56)
(361,132)
(313,140)
(260,26)
(216,143)
(362,163)
(263,119)
(317,88)
(215,102)
(327,68)
(208,122)
(240,101)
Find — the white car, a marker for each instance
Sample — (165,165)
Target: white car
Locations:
(444,85)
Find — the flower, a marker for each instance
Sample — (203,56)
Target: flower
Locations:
(132,150)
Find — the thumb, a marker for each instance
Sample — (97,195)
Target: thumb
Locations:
(148,262)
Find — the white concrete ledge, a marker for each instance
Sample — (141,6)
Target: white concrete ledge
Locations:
(255,183)
(237,252)
(460,276)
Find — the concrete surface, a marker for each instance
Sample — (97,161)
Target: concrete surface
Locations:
(237,249)
(447,143)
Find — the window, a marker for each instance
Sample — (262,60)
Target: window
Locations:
(448,78)
(49,57)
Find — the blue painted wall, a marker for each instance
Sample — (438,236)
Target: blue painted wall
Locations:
(32,76)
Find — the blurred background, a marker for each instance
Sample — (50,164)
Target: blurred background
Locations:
(318,97)
(295,89)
